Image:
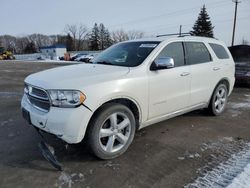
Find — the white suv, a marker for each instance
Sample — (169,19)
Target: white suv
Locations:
(129,86)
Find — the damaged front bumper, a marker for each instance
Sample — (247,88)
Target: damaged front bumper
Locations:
(68,124)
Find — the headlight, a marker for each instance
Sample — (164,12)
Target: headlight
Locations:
(66,98)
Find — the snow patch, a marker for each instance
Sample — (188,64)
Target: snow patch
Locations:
(232,173)
(188,155)
(235,108)
(241,105)
(242,180)
(67,180)
(114,166)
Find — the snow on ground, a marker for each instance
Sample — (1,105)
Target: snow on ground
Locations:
(242,180)
(232,173)
(235,108)
(68,180)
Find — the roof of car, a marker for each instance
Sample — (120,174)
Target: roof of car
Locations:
(163,38)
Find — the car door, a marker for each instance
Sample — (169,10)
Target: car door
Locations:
(169,89)
(204,72)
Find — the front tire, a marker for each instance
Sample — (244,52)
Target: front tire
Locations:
(111,131)
(219,100)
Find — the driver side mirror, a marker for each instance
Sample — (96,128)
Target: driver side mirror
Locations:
(162,63)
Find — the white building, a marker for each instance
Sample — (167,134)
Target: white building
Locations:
(53,52)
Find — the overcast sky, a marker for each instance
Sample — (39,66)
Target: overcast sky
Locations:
(150,16)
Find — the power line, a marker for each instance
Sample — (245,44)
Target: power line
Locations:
(168,14)
(174,25)
(190,24)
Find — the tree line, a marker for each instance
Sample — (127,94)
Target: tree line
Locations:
(75,38)
(79,37)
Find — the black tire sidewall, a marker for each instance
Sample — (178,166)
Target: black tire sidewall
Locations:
(97,123)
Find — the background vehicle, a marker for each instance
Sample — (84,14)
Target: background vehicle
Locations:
(6,55)
(127,87)
(242,73)
(86,58)
(76,56)
(241,55)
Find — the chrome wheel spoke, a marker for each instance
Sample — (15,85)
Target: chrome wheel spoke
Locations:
(222,93)
(219,106)
(216,103)
(123,124)
(110,143)
(105,133)
(223,100)
(218,95)
(121,138)
(113,120)
(115,132)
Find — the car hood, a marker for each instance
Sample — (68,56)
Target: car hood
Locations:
(75,76)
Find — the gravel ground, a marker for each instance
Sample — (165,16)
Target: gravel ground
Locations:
(173,153)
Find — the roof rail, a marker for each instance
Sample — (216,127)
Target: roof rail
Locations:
(173,34)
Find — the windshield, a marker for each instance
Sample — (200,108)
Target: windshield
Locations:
(128,54)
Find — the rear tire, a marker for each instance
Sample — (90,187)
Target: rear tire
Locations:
(219,100)
(111,131)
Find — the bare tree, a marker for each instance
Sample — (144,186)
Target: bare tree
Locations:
(8,42)
(21,43)
(72,31)
(82,34)
(78,33)
(134,34)
(41,40)
(121,35)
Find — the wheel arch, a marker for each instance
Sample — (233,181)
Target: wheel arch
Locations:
(226,82)
(126,101)
(223,80)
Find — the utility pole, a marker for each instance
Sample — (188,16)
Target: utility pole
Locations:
(235,15)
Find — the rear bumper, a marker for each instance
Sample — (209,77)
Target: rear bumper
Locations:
(68,124)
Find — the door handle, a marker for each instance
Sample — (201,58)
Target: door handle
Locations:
(216,68)
(185,73)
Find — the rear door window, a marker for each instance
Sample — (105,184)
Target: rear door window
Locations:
(219,51)
(175,51)
(196,53)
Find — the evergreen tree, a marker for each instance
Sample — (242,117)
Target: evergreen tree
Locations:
(203,25)
(105,38)
(94,39)
(30,48)
(67,40)
(69,43)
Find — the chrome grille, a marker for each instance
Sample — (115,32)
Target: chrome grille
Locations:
(38,98)
(38,93)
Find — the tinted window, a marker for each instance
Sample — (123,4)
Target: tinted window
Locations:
(175,51)
(196,52)
(128,54)
(219,51)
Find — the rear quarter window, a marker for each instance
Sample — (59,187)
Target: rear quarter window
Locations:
(196,53)
(219,51)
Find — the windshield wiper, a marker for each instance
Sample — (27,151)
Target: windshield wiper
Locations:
(103,63)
